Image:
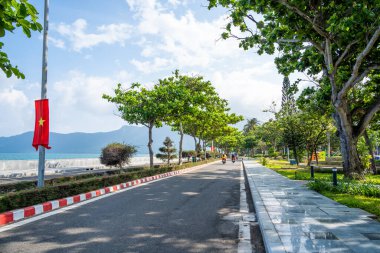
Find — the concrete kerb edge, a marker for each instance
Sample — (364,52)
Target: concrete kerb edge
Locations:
(31,211)
(270,246)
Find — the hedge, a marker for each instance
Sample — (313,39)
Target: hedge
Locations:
(24,198)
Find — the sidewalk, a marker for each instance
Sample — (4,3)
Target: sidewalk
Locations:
(295,219)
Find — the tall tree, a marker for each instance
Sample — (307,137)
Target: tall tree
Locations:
(250,125)
(288,101)
(290,117)
(139,105)
(16,13)
(190,99)
(339,39)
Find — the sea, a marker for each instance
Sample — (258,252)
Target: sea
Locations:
(51,156)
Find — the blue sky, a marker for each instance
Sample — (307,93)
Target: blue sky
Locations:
(95,44)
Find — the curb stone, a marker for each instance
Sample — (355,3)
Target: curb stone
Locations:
(31,211)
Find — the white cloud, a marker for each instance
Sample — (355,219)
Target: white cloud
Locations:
(16,109)
(248,90)
(184,40)
(80,39)
(174,2)
(14,98)
(77,103)
(57,42)
(151,66)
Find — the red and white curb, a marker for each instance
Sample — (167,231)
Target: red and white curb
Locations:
(30,211)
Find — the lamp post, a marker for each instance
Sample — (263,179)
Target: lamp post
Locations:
(41,157)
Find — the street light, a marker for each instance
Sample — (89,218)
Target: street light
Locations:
(41,157)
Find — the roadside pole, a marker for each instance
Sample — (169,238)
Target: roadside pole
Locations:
(41,158)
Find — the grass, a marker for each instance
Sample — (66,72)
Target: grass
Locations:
(295,172)
(374,179)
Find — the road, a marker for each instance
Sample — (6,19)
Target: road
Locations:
(180,214)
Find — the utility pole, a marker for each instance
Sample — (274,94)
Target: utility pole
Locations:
(41,157)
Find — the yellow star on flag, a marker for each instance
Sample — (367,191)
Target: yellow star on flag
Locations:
(41,122)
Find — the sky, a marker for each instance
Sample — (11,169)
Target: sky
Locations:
(96,44)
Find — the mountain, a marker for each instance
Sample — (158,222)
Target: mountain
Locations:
(92,143)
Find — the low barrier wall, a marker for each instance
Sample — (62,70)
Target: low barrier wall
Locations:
(15,166)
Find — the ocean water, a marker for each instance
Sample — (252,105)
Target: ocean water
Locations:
(34,156)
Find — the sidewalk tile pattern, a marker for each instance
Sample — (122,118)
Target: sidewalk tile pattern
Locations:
(295,219)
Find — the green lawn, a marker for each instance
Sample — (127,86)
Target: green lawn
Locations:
(300,173)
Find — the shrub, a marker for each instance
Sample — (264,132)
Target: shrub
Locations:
(167,151)
(188,153)
(14,200)
(349,187)
(117,154)
(264,161)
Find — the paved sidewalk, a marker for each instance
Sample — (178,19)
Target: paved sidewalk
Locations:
(295,219)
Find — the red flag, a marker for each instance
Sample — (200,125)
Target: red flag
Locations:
(41,127)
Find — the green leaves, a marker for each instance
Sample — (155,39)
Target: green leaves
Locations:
(177,100)
(16,13)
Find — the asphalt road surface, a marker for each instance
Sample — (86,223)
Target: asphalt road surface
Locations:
(180,214)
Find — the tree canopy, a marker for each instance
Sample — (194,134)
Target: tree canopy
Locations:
(16,13)
(336,42)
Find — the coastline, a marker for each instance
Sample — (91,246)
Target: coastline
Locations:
(24,168)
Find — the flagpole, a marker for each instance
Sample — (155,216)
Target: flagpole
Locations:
(41,158)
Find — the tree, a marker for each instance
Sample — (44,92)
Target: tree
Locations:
(293,130)
(139,105)
(117,154)
(290,119)
(186,97)
(287,100)
(338,39)
(316,113)
(16,13)
(209,117)
(271,133)
(250,126)
(250,143)
(168,151)
(231,141)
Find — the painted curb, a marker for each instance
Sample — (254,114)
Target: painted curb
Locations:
(30,211)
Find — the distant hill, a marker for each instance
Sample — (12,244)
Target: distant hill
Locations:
(92,143)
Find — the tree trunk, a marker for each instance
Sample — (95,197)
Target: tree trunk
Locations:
(309,157)
(199,148)
(180,144)
(295,155)
(370,150)
(204,148)
(150,146)
(316,154)
(352,166)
